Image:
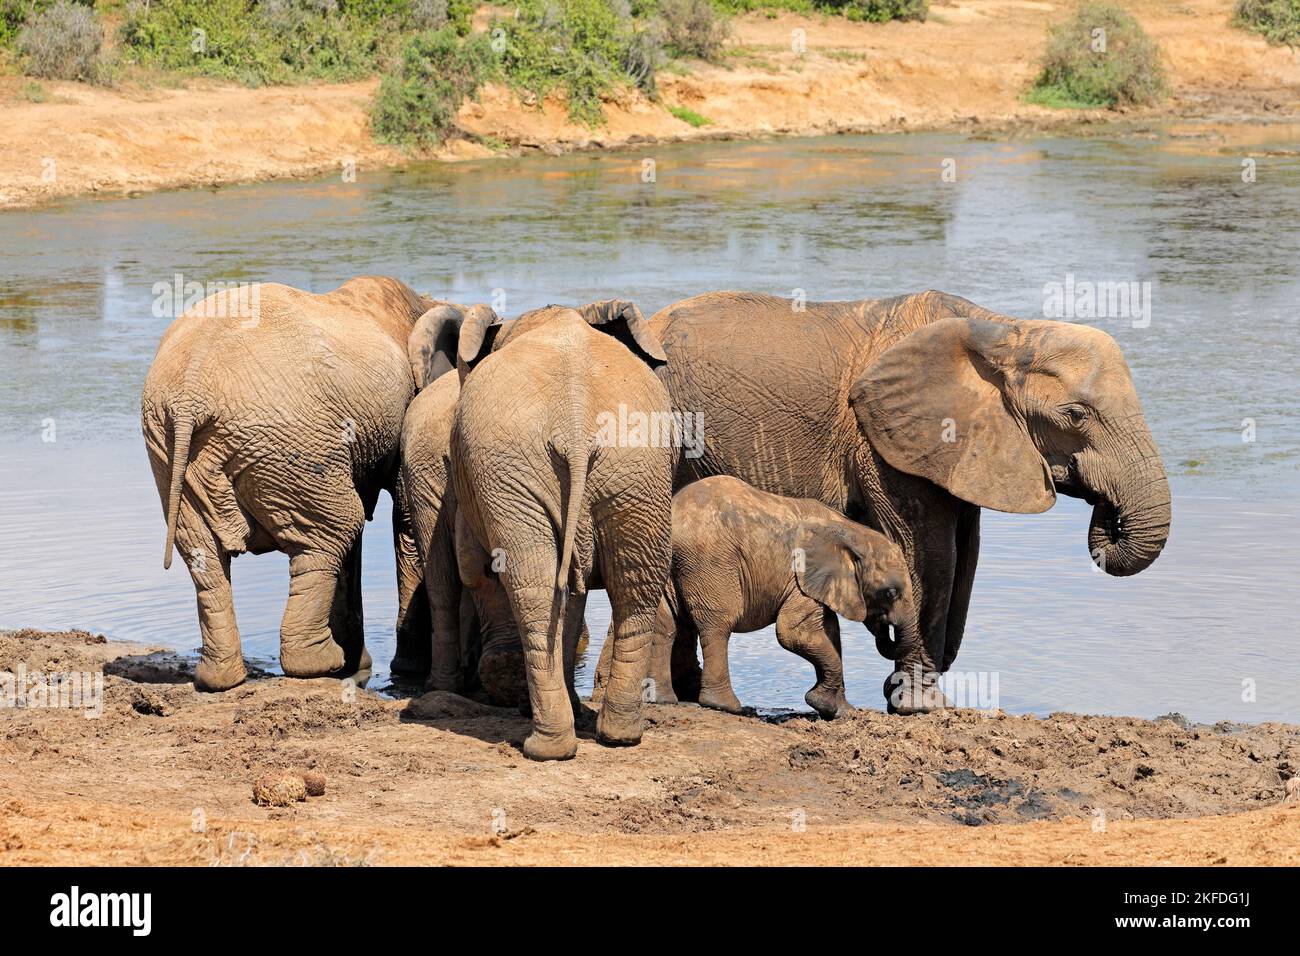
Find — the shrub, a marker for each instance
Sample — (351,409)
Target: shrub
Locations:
(279,41)
(1278,21)
(63,42)
(879,11)
(694,28)
(585,47)
(1100,57)
(418,101)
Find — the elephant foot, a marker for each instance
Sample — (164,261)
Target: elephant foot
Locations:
(213,676)
(721,700)
(410,665)
(503,674)
(451,683)
(615,729)
(661,693)
(909,694)
(828,703)
(540,746)
(366,663)
(313,660)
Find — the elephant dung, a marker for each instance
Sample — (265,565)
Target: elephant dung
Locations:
(279,789)
(314,781)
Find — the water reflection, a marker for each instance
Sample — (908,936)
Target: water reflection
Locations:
(842,217)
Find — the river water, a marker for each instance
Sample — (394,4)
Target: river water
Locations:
(1209,630)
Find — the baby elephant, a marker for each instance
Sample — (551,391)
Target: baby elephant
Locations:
(743,559)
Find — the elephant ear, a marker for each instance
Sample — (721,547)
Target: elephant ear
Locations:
(431,346)
(623,320)
(825,570)
(935,404)
(478,331)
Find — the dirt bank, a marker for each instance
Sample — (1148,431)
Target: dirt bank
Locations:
(965,68)
(164,775)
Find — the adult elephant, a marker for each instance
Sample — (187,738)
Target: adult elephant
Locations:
(272,418)
(555,494)
(911,414)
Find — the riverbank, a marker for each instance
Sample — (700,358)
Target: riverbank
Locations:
(965,68)
(164,776)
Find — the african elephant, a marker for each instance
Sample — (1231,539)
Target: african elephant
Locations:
(744,559)
(554,495)
(272,418)
(910,414)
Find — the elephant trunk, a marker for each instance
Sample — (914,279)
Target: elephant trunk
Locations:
(1129,528)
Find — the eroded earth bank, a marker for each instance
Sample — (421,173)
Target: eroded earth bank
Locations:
(165,775)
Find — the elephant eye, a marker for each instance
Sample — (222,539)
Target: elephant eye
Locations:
(1076,414)
(890,594)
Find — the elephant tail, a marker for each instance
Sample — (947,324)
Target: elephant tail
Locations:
(572,511)
(182,430)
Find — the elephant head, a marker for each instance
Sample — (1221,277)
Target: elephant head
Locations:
(482,331)
(859,574)
(432,343)
(1004,414)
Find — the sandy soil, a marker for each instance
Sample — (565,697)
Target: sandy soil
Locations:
(965,68)
(165,776)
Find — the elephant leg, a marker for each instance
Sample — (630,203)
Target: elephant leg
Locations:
(687,674)
(715,684)
(443,586)
(968,552)
(634,581)
(307,644)
(541,623)
(221,662)
(575,628)
(415,623)
(601,677)
(806,628)
(922,518)
(661,655)
(471,644)
(414,614)
(347,621)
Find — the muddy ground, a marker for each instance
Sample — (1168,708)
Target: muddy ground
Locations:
(165,776)
(966,68)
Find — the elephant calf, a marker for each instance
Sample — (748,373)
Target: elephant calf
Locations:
(743,559)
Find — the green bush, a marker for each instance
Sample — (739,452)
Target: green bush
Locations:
(694,28)
(878,11)
(280,41)
(1278,21)
(1100,57)
(63,42)
(587,48)
(418,100)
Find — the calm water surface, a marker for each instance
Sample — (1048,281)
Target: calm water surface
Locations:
(81,528)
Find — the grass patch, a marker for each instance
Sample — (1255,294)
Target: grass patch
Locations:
(1278,21)
(688,115)
(1101,57)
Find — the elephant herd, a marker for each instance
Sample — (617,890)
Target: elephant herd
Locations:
(734,461)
